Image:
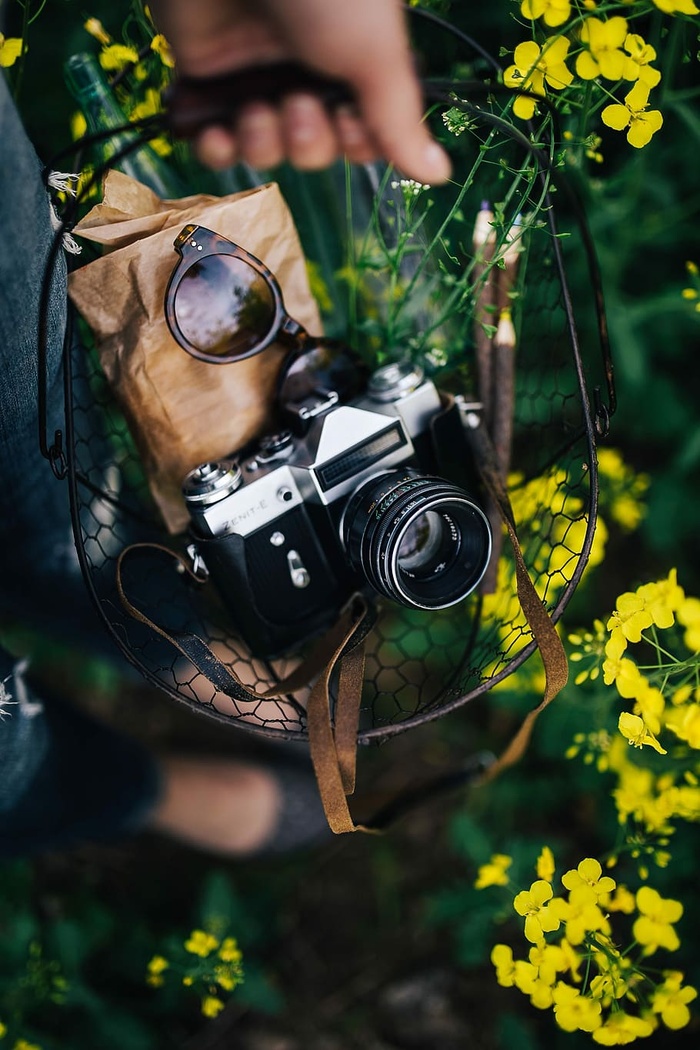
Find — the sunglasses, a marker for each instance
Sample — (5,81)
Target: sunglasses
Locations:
(223,305)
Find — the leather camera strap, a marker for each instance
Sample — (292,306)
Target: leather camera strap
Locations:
(543,630)
(339,652)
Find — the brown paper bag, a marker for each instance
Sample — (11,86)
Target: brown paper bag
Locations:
(181,411)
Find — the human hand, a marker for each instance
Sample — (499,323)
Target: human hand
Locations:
(363,43)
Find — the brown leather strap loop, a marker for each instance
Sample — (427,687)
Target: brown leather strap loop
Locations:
(543,630)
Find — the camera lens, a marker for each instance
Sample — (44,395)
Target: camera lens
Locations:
(418,540)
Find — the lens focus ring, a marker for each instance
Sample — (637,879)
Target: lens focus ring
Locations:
(419,540)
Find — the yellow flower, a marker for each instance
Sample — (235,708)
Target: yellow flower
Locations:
(493,873)
(549,959)
(626,675)
(532,904)
(689,617)
(3,1030)
(574,1011)
(10,50)
(637,733)
(535,66)
(580,913)
(663,599)
(545,864)
(211,1006)
(95,28)
(671,1000)
(604,57)
(162,48)
(622,900)
(201,943)
(631,616)
(229,950)
(677,7)
(502,959)
(552,12)
(637,65)
(155,971)
(650,706)
(633,115)
(22,1044)
(685,723)
(227,977)
(654,928)
(621,1028)
(116,56)
(589,873)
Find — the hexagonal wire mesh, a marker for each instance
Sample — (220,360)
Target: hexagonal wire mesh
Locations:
(420,664)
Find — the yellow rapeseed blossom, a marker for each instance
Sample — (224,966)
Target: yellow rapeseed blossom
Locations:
(580,913)
(626,675)
(162,48)
(212,1006)
(631,616)
(95,28)
(622,900)
(685,723)
(502,959)
(117,56)
(689,617)
(532,904)
(229,950)
(493,873)
(545,864)
(574,1011)
(533,67)
(637,733)
(10,50)
(654,927)
(604,57)
(671,999)
(677,7)
(641,123)
(621,1028)
(227,977)
(155,970)
(637,65)
(201,943)
(589,873)
(552,12)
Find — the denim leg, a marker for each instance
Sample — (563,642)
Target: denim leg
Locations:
(63,777)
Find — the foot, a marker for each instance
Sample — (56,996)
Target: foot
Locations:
(227,807)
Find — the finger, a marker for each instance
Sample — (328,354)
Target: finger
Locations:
(259,136)
(353,138)
(216,148)
(310,140)
(392,108)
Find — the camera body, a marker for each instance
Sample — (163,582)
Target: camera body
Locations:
(290,531)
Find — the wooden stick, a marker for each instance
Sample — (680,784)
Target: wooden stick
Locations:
(502,393)
(485,306)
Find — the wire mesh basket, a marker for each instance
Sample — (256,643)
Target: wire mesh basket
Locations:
(419,664)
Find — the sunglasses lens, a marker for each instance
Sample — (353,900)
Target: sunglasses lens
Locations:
(224,307)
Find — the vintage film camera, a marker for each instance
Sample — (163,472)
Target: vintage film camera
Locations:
(290,531)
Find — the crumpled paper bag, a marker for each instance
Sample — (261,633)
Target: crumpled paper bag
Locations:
(181,411)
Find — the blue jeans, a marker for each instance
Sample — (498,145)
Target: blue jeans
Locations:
(64,778)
